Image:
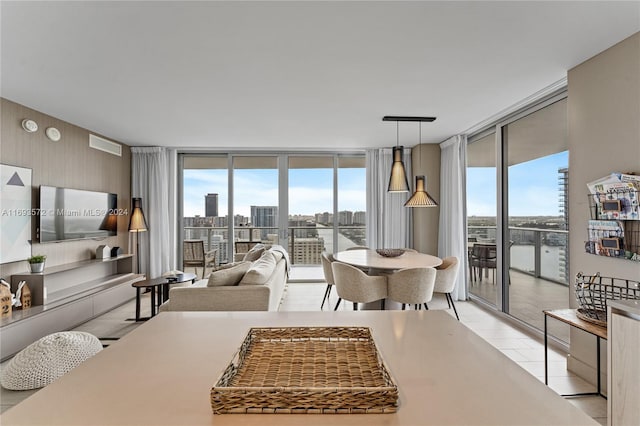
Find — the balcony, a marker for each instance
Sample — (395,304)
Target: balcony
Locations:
(305,244)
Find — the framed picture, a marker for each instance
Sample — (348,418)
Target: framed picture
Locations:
(15,213)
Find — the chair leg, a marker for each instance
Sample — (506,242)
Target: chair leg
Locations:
(404,305)
(337,304)
(416,306)
(326,295)
(382,305)
(446,296)
(426,307)
(453,304)
(355,306)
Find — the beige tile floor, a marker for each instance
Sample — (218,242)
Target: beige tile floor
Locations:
(525,350)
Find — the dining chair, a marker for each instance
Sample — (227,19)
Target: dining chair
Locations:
(327,260)
(354,285)
(446,275)
(413,286)
(193,255)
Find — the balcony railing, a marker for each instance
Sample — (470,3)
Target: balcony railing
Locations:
(542,253)
(305,244)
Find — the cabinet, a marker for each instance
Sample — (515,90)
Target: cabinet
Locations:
(623,353)
(65,296)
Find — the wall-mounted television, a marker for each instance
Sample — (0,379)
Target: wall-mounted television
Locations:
(73,214)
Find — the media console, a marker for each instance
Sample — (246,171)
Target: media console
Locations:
(65,296)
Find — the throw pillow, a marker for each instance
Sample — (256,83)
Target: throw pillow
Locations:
(228,276)
(260,270)
(255,253)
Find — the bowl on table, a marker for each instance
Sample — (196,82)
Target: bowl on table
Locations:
(390,252)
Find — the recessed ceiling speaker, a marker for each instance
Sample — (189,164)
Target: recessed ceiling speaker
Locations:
(96,142)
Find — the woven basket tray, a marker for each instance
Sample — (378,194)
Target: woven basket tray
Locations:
(298,370)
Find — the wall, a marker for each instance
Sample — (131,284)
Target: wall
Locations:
(604,136)
(425,160)
(70,163)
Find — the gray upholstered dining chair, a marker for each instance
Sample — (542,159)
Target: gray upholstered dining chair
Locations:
(355,286)
(446,275)
(327,260)
(413,286)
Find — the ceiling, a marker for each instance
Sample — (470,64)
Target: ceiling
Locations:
(297,75)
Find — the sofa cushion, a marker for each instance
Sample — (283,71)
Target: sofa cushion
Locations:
(277,255)
(260,270)
(230,275)
(255,253)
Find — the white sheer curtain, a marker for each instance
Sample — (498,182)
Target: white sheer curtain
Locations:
(389,223)
(153,179)
(452,239)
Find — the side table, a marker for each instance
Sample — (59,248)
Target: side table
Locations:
(568,316)
(159,288)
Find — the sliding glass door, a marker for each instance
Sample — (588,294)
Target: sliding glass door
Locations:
(517,222)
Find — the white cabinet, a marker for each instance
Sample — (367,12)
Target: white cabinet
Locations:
(623,350)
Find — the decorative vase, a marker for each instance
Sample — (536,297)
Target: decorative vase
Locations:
(36,267)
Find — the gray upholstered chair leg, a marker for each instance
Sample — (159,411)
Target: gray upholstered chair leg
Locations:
(337,304)
(327,292)
(453,304)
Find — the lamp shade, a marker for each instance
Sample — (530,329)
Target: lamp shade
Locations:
(398,180)
(137,221)
(420,197)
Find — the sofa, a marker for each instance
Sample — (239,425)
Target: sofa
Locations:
(256,283)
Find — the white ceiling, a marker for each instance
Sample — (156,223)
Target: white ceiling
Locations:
(294,75)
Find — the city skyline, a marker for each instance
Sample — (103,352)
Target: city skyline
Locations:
(310,190)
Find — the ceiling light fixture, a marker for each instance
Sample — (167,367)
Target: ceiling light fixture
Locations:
(420,197)
(398,180)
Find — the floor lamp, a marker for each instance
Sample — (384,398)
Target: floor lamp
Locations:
(137,223)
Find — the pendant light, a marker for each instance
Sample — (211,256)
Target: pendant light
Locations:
(398,181)
(420,197)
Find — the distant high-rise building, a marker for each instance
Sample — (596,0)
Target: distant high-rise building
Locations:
(345,217)
(306,251)
(359,218)
(211,205)
(264,217)
(304,228)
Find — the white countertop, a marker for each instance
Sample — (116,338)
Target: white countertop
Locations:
(162,374)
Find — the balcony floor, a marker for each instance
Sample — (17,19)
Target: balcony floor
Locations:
(528,297)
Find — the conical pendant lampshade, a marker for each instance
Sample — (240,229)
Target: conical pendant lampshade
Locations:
(420,198)
(398,181)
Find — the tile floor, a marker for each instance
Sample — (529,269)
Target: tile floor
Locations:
(525,350)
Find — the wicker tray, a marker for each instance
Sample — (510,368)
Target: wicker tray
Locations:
(298,370)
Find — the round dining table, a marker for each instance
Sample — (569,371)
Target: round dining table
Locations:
(374,263)
(370,259)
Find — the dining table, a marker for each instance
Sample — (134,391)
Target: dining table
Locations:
(375,264)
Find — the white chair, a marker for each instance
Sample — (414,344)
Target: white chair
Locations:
(354,285)
(412,286)
(327,260)
(446,275)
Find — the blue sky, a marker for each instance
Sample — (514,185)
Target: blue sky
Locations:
(310,190)
(533,188)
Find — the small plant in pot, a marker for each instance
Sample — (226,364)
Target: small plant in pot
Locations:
(36,262)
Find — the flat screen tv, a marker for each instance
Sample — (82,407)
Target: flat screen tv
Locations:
(73,214)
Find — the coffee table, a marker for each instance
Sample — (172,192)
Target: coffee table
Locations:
(160,287)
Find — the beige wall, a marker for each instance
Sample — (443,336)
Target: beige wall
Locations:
(67,163)
(604,137)
(425,160)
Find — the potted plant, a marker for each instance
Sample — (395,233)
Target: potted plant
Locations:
(36,262)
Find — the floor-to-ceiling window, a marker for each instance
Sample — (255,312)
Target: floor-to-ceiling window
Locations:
(305,202)
(517,179)
(482,215)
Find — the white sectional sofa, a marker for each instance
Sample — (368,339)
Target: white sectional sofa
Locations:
(255,284)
